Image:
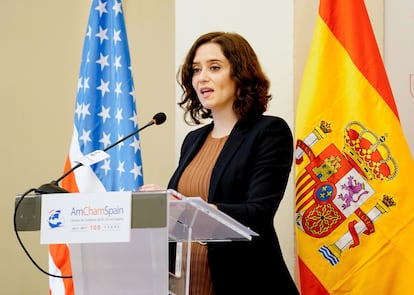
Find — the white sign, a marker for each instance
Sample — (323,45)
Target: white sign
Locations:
(94,157)
(102,217)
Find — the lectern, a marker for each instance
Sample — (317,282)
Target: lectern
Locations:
(140,266)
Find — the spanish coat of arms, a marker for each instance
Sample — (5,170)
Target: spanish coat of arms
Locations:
(336,182)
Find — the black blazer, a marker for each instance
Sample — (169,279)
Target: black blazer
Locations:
(248,182)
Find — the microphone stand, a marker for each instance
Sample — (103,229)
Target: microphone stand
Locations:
(53,187)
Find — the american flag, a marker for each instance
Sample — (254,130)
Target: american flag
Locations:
(105,104)
(105,112)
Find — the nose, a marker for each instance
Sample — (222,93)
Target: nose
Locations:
(202,75)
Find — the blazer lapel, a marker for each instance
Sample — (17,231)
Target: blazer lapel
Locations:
(194,148)
(235,140)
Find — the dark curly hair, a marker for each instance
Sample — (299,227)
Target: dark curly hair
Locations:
(252,85)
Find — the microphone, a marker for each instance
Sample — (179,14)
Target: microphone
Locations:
(53,187)
(159,118)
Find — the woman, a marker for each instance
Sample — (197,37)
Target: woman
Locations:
(239,162)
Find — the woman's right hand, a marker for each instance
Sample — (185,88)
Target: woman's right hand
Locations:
(150,187)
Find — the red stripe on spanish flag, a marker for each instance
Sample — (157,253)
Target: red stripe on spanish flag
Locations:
(354,225)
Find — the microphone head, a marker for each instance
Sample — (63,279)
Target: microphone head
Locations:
(159,118)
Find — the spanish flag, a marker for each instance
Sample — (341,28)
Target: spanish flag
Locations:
(353,170)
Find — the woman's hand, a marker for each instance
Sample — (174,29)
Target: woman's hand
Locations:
(150,187)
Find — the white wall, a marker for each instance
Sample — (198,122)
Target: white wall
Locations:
(399,60)
(268,26)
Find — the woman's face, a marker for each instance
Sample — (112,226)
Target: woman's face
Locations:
(212,79)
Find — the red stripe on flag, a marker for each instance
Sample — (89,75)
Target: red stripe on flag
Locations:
(69,182)
(60,256)
(60,252)
(309,284)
